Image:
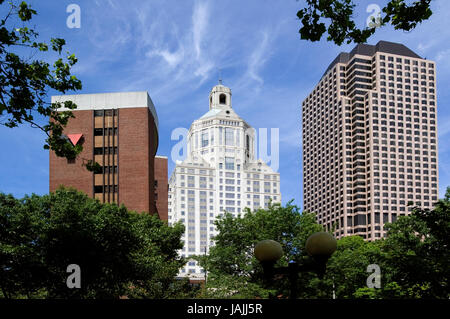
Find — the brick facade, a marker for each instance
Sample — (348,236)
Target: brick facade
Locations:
(161,187)
(136,159)
(74,174)
(134,149)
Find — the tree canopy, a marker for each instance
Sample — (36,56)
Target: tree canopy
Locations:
(120,253)
(413,258)
(26,80)
(335,17)
(232,269)
(417,251)
(124,253)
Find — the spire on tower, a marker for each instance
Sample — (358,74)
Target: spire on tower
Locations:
(220,76)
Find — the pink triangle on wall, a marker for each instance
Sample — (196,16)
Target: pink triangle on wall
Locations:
(74,138)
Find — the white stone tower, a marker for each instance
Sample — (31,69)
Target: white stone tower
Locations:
(220,173)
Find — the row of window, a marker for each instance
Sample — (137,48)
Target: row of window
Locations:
(106,189)
(406,67)
(405,60)
(98,113)
(227,136)
(105,150)
(105,131)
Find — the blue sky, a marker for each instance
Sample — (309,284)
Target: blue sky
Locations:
(173,49)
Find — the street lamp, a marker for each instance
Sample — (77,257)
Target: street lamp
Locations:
(319,246)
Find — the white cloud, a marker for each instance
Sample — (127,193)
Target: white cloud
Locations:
(200,19)
(176,49)
(172,58)
(204,70)
(443,56)
(112,3)
(255,61)
(443,129)
(258,58)
(423,47)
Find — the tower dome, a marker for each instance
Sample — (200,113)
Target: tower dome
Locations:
(220,97)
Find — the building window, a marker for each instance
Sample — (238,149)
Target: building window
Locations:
(229,163)
(205,139)
(105,150)
(98,189)
(229,136)
(98,151)
(223,99)
(110,169)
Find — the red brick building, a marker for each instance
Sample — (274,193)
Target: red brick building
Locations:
(161,187)
(120,132)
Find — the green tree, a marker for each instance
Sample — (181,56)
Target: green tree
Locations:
(347,267)
(120,253)
(156,263)
(233,271)
(417,251)
(25,81)
(336,18)
(19,258)
(413,258)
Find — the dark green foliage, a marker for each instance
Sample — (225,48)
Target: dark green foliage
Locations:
(417,250)
(338,15)
(414,259)
(120,253)
(24,81)
(123,253)
(93,166)
(347,268)
(233,271)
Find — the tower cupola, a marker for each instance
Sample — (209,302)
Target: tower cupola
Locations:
(220,97)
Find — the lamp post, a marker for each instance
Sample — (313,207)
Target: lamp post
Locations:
(319,246)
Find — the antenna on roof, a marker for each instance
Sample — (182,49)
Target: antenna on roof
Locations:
(220,76)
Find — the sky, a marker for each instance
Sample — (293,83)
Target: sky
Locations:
(174,50)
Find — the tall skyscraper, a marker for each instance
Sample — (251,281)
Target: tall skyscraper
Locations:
(370,139)
(220,173)
(120,132)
